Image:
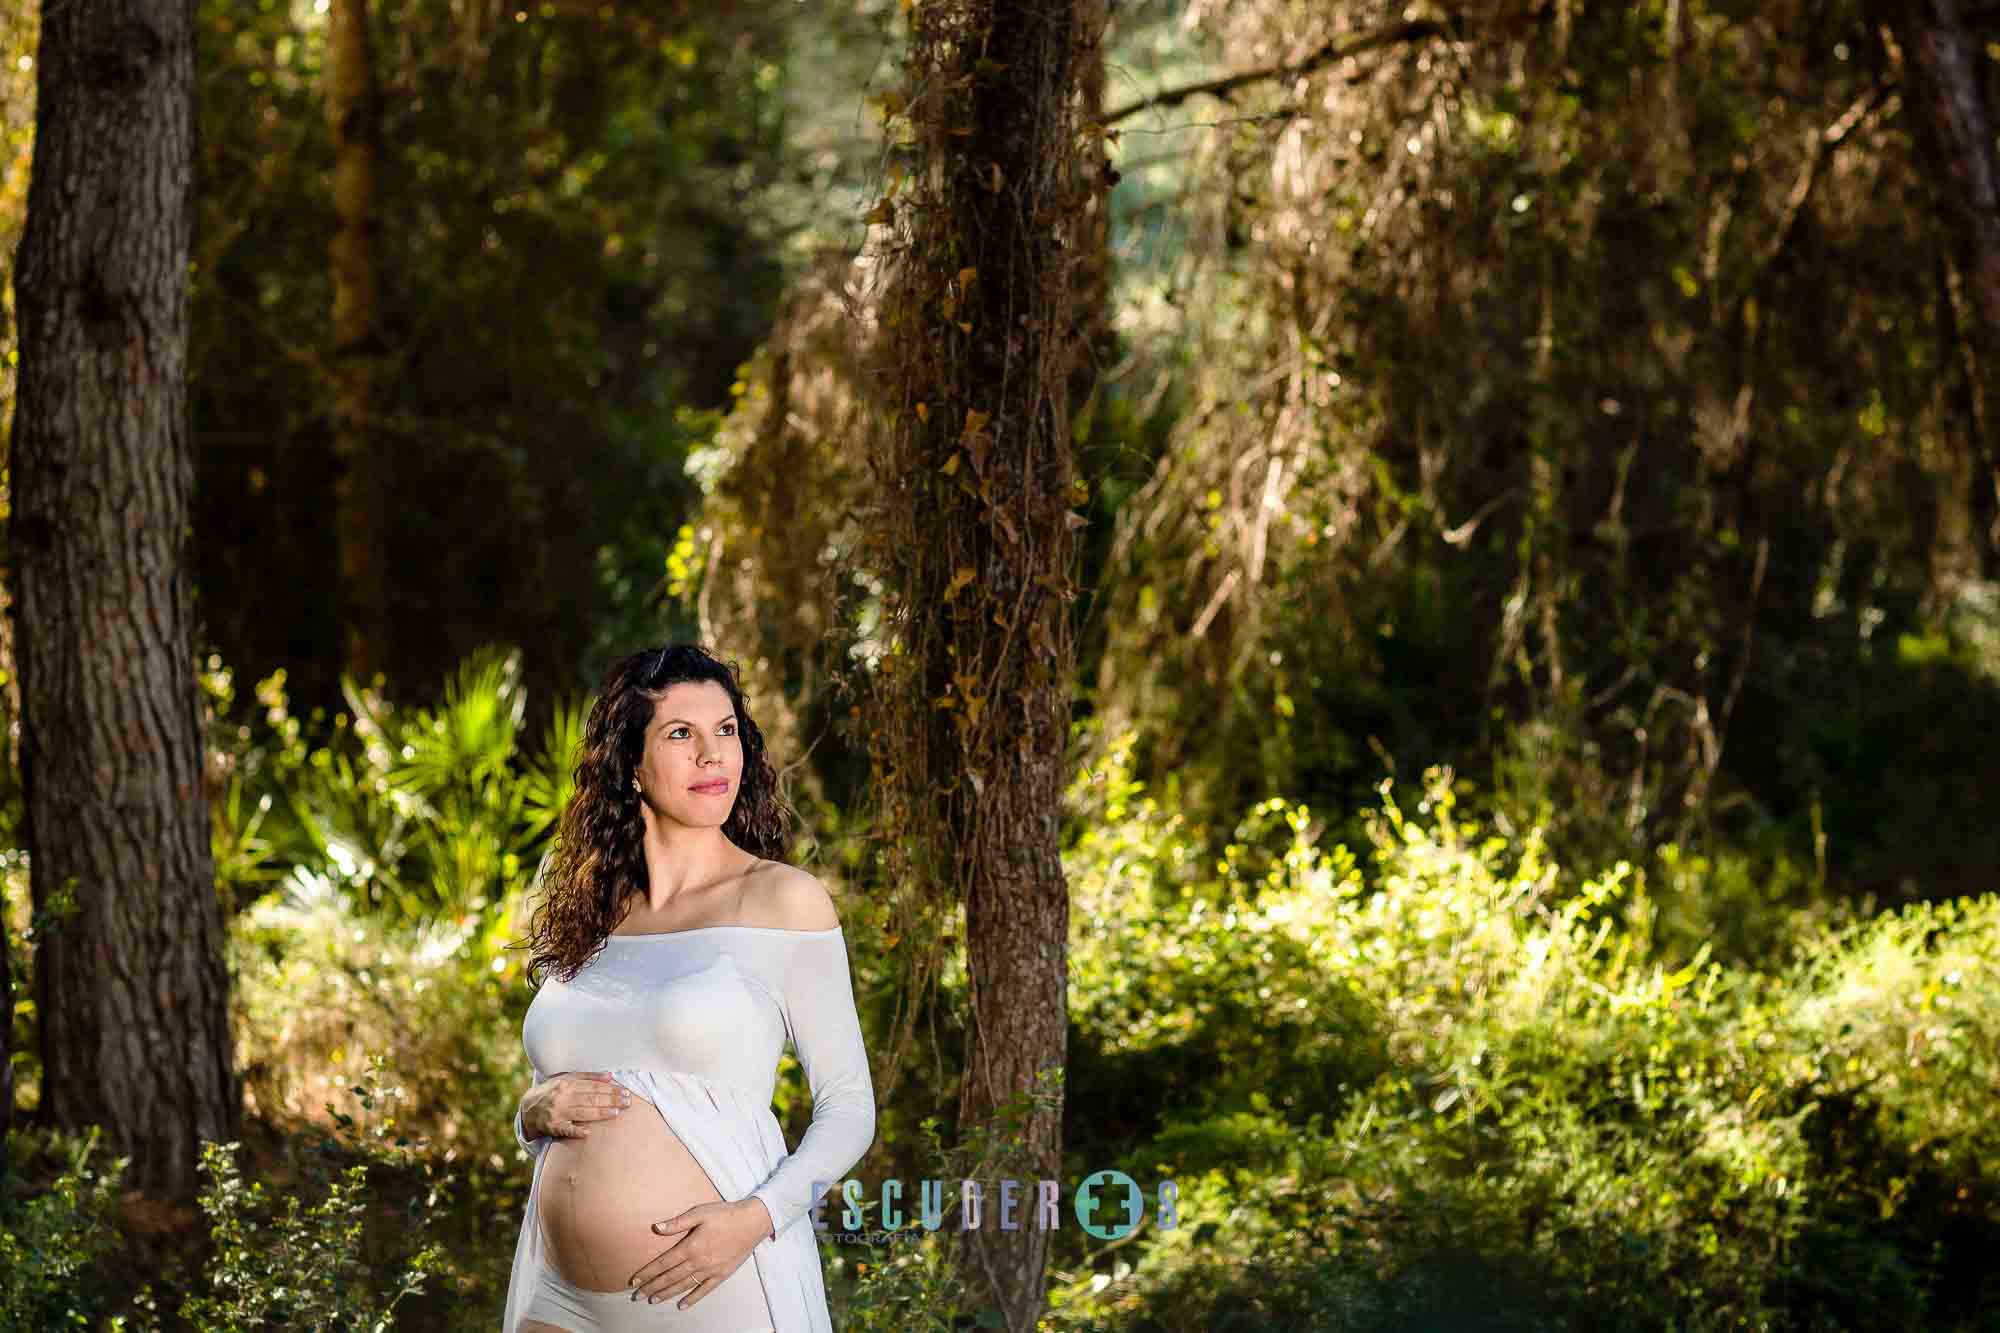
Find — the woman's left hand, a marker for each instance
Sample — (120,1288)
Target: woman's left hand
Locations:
(714,1240)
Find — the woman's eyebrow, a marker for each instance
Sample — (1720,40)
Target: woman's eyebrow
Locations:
(718,722)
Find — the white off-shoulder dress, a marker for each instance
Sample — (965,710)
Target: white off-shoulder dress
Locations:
(694,1021)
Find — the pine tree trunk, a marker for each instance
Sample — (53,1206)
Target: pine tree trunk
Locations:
(131,989)
(1954,132)
(360,492)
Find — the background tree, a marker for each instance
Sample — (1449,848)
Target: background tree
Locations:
(1440,475)
(131,991)
(360,499)
(585,210)
(1945,101)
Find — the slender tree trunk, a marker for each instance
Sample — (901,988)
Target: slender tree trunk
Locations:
(10,710)
(360,491)
(1954,134)
(130,986)
(1952,466)
(985,336)
(6,1033)
(1096,340)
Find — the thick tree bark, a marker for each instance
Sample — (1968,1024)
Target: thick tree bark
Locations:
(1954,133)
(131,989)
(360,492)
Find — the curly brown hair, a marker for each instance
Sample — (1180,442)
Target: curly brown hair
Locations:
(598,860)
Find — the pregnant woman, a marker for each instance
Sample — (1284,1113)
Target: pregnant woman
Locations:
(684,952)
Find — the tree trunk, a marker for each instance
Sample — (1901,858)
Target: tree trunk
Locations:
(1954,134)
(360,492)
(130,985)
(6,1034)
(982,542)
(22,19)
(1096,339)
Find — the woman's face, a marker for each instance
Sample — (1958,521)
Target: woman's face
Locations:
(693,739)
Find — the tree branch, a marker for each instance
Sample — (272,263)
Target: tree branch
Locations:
(1334,50)
(1819,150)
(1395,34)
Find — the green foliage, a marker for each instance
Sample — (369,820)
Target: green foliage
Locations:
(378,876)
(294,1267)
(1546,403)
(318,986)
(304,1264)
(1525,1107)
(912,1282)
(417,813)
(52,1241)
(1162,984)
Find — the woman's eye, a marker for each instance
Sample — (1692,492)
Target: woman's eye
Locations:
(678,730)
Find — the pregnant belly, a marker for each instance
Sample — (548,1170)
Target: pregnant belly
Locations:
(602,1194)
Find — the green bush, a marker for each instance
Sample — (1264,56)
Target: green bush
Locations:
(913,1283)
(303,1265)
(52,1241)
(411,813)
(296,1267)
(1511,1100)
(317,984)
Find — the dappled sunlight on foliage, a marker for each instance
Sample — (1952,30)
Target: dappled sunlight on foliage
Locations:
(1427,1059)
(1436,1079)
(318,987)
(412,812)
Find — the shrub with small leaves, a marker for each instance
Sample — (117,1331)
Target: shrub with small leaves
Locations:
(50,1242)
(304,1265)
(1449,1086)
(911,1283)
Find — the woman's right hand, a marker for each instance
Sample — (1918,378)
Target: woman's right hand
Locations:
(563,1106)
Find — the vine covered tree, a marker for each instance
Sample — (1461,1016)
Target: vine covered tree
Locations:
(983,342)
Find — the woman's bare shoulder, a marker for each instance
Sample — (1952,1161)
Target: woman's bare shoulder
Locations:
(785,897)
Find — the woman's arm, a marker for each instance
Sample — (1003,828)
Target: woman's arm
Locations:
(818,1002)
(538,1142)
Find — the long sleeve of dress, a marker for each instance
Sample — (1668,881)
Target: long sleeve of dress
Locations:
(818,1003)
(535,1147)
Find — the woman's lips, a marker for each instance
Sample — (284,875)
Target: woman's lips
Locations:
(712,788)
